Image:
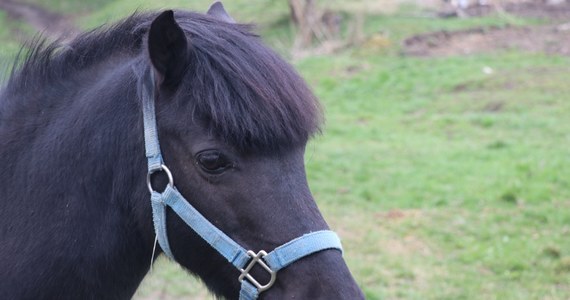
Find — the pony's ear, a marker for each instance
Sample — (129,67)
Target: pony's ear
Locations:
(218,11)
(167,49)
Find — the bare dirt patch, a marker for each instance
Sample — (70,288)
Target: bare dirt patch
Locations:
(53,25)
(553,38)
(540,10)
(398,215)
(554,10)
(543,39)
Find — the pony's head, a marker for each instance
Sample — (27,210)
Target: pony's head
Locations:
(233,122)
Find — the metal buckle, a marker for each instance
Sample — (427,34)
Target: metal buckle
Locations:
(258,258)
(164,169)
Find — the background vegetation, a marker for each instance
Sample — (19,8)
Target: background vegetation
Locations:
(447,177)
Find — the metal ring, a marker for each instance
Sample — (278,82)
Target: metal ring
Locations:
(258,259)
(165,170)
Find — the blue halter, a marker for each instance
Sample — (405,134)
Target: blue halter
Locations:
(242,259)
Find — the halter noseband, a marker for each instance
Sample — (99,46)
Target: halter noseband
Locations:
(242,259)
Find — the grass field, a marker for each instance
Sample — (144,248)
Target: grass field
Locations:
(447,178)
(449,183)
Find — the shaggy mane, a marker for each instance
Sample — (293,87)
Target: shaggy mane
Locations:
(237,87)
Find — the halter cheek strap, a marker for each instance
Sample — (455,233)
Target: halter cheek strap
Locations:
(242,259)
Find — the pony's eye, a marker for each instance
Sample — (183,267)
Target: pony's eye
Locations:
(213,162)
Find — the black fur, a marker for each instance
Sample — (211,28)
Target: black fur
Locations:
(75,218)
(168,49)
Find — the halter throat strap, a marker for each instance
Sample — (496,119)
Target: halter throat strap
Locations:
(235,254)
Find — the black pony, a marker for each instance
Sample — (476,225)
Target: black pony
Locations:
(233,120)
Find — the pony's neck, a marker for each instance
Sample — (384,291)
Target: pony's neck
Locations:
(74,181)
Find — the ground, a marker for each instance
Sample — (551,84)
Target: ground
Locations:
(42,20)
(444,161)
(553,38)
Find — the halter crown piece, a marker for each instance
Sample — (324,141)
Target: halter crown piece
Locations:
(242,259)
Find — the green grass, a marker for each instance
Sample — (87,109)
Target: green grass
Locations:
(474,169)
(71,7)
(9,47)
(444,182)
(105,11)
